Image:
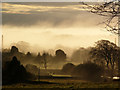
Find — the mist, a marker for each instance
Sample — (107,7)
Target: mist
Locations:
(73,55)
(46,26)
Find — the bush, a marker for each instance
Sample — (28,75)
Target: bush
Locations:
(32,69)
(14,72)
(88,71)
(68,68)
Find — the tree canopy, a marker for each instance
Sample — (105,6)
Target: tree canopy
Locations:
(109,9)
(14,72)
(106,51)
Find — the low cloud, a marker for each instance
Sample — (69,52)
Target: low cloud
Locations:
(48,16)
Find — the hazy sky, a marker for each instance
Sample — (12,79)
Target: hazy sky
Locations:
(50,25)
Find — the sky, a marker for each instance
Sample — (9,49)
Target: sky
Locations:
(52,25)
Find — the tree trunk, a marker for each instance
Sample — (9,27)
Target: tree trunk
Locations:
(119,41)
(112,70)
(119,37)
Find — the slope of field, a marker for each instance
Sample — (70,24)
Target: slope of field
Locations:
(63,83)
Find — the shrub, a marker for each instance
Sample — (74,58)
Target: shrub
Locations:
(68,68)
(14,72)
(88,71)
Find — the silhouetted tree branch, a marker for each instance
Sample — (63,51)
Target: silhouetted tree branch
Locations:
(106,50)
(109,9)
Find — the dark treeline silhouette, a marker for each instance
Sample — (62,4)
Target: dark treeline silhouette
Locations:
(19,67)
(87,71)
(68,68)
(45,60)
(86,63)
(14,72)
(32,69)
(103,62)
(106,54)
(8,55)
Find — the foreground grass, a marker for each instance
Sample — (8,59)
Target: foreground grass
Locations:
(61,83)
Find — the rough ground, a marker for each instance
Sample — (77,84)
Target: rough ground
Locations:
(62,83)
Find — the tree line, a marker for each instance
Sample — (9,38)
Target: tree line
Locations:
(103,62)
(103,59)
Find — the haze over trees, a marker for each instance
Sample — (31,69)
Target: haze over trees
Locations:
(88,71)
(14,72)
(105,53)
(45,60)
(22,45)
(80,55)
(60,55)
(85,63)
(103,61)
(14,50)
(68,68)
(110,10)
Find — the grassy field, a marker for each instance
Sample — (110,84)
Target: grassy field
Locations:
(63,83)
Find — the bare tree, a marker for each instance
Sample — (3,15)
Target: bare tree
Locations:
(109,9)
(107,51)
(45,60)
